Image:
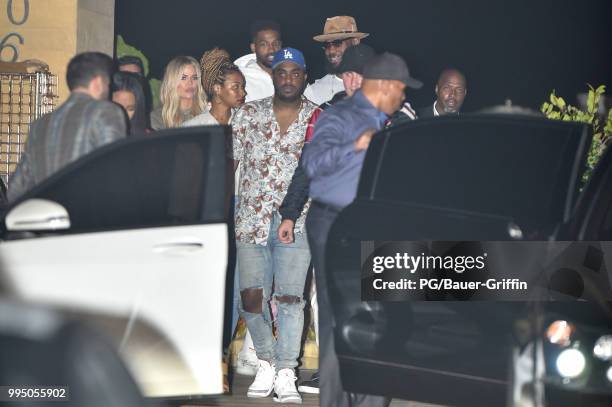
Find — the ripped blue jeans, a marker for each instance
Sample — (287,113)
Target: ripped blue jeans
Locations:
(286,265)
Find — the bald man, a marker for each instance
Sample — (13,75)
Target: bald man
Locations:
(451,90)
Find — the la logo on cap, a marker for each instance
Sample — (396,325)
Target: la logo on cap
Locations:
(289,55)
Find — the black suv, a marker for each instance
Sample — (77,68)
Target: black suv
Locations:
(476,178)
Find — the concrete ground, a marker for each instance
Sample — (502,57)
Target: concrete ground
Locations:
(238,397)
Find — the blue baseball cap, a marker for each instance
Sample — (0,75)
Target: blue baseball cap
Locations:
(291,55)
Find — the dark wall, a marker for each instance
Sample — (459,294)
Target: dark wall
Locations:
(516,50)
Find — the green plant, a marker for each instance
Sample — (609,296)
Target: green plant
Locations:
(558,109)
(155,85)
(124,49)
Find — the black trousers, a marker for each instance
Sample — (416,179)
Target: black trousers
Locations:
(318,223)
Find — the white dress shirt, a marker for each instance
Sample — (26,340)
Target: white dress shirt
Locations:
(258,82)
(324,89)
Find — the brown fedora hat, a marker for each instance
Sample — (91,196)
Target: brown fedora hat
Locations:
(339,28)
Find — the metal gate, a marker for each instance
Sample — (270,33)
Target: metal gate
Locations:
(24,97)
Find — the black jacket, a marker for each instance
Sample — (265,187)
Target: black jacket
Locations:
(426,111)
(297,194)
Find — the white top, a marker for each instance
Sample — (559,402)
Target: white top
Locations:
(203,119)
(324,89)
(207,119)
(258,82)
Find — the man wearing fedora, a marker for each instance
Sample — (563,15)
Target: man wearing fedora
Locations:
(339,33)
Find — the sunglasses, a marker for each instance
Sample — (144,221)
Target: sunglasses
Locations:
(333,44)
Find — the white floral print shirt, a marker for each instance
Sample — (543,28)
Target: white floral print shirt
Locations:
(267,162)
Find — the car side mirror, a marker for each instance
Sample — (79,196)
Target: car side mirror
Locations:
(34,215)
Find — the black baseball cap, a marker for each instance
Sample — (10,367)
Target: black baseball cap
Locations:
(390,67)
(355,57)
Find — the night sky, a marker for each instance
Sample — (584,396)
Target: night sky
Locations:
(518,50)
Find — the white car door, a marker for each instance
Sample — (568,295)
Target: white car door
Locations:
(147,246)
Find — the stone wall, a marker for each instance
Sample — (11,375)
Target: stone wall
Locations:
(55,30)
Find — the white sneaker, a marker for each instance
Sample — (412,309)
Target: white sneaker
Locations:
(284,387)
(247,362)
(247,366)
(263,384)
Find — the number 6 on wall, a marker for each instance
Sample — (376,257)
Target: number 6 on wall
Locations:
(11,46)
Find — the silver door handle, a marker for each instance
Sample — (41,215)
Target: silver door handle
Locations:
(178,247)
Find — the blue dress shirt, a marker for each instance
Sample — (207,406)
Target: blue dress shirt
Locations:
(330,160)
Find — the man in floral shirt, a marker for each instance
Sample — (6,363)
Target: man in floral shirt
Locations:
(268,135)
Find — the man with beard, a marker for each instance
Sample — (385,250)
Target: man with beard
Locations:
(351,70)
(451,91)
(257,67)
(339,33)
(257,71)
(85,121)
(268,135)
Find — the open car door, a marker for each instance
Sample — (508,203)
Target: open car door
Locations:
(134,236)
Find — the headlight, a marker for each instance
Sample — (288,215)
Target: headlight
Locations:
(603,348)
(560,333)
(571,363)
(609,374)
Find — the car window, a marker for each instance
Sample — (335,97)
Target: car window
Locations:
(519,168)
(174,178)
(605,232)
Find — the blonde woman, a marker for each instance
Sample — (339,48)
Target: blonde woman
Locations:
(181,94)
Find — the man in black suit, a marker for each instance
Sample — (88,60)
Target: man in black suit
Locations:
(450,91)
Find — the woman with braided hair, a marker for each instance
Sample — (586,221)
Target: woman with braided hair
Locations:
(223,83)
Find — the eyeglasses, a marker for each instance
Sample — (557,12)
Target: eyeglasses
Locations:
(333,44)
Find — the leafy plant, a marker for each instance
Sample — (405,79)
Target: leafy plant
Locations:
(155,85)
(124,49)
(558,109)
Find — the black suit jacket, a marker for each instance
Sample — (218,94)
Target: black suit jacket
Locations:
(426,111)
